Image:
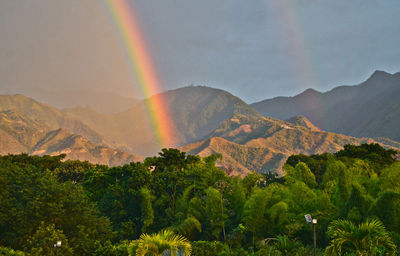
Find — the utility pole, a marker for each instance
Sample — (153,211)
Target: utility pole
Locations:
(314,223)
(56,245)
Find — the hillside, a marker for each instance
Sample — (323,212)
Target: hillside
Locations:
(206,121)
(78,148)
(195,112)
(102,102)
(371,109)
(25,131)
(48,116)
(21,134)
(263,144)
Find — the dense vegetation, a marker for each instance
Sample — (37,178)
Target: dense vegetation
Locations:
(183,203)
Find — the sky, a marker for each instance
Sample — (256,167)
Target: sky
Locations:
(255,49)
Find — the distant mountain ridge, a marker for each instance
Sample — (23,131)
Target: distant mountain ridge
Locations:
(47,116)
(207,121)
(263,144)
(22,134)
(371,109)
(194,111)
(101,101)
(78,148)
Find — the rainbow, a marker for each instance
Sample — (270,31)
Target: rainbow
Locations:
(302,62)
(141,65)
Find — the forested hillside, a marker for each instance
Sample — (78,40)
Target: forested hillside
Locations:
(98,210)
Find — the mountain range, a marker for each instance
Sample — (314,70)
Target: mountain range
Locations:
(102,102)
(371,109)
(35,133)
(263,144)
(206,121)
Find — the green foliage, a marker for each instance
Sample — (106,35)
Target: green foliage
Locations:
(189,226)
(146,207)
(42,243)
(387,208)
(342,191)
(215,211)
(301,172)
(364,239)
(4,251)
(317,163)
(31,196)
(333,169)
(163,242)
(109,249)
(206,248)
(96,210)
(118,191)
(251,181)
(373,153)
(390,178)
(254,213)
(358,204)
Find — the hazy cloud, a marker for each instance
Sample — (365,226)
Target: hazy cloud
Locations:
(275,47)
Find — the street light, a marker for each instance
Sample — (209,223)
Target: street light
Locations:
(56,245)
(312,221)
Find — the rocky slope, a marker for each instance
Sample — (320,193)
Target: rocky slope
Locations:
(194,112)
(48,116)
(21,134)
(263,144)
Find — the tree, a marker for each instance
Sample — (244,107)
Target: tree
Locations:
(30,195)
(304,174)
(387,209)
(374,153)
(317,163)
(42,242)
(160,244)
(147,208)
(364,239)
(207,248)
(281,245)
(254,213)
(4,251)
(342,191)
(358,205)
(390,178)
(215,212)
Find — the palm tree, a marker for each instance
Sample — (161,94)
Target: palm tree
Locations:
(161,244)
(363,239)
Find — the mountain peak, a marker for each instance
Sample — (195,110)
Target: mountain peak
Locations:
(379,74)
(303,121)
(309,92)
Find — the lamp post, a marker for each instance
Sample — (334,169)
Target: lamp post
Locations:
(56,245)
(312,221)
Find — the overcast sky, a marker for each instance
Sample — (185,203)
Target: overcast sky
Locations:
(255,49)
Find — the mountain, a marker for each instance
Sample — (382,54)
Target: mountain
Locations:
(21,134)
(78,148)
(10,145)
(26,131)
(48,116)
(102,102)
(371,109)
(195,111)
(263,144)
(205,121)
